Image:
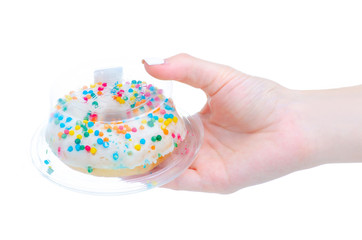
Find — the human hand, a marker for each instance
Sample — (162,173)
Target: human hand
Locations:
(254,131)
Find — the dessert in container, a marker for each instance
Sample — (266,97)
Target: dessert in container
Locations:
(114,130)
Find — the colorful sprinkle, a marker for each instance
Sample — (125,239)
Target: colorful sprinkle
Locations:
(70,149)
(89,169)
(96,133)
(127,136)
(100,141)
(142,141)
(93,150)
(137,147)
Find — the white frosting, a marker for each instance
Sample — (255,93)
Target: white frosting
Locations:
(113,150)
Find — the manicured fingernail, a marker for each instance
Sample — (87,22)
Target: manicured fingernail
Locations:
(153,61)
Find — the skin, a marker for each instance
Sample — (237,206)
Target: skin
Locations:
(257,130)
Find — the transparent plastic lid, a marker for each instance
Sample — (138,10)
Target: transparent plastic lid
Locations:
(114,130)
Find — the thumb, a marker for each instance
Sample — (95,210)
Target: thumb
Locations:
(210,77)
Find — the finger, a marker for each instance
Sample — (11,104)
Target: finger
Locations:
(189,180)
(210,77)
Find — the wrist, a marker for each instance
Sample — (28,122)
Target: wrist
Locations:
(332,123)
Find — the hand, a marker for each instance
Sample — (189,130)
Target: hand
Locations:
(254,131)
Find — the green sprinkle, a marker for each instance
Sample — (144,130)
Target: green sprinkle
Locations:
(95,104)
(56,121)
(109,130)
(150,123)
(79,122)
(77,141)
(64,135)
(82,147)
(159,138)
(159,155)
(153,139)
(175,144)
(90,169)
(86,134)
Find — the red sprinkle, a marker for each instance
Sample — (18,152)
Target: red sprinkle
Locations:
(66,131)
(87,148)
(163,111)
(173,135)
(104,84)
(120,127)
(100,89)
(134,129)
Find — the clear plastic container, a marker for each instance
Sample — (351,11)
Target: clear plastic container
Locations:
(114,131)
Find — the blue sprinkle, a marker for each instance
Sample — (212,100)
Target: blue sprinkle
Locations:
(100,141)
(155,117)
(62,125)
(68,119)
(106,144)
(60,118)
(166,100)
(46,162)
(90,124)
(134,81)
(90,91)
(70,149)
(167,107)
(152,88)
(115,156)
(77,147)
(130,90)
(50,170)
(170,116)
(142,141)
(139,82)
(150,115)
(96,133)
(165,116)
(127,136)
(56,115)
(85,92)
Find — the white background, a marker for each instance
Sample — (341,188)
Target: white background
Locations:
(299,44)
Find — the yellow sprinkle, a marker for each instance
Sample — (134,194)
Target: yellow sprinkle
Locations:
(77,127)
(92,85)
(163,127)
(68,97)
(132,98)
(137,147)
(160,120)
(79,136)
(119,85)
(120,100)
(167,122)
(90,130)
(144,121)
(85,121)
(93,150)
(71,132)
(175,119)
(132,86)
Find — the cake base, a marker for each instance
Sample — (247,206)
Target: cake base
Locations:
(122,172)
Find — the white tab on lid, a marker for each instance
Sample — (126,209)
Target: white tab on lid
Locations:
(109,76)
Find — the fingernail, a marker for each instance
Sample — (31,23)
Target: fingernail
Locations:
(153,61)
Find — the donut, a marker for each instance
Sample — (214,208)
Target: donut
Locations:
(114,128)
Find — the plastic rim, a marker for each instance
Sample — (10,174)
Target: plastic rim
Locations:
(52,168)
